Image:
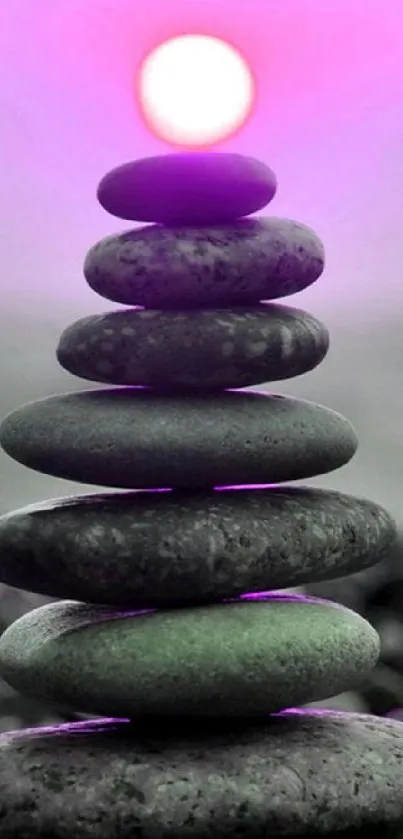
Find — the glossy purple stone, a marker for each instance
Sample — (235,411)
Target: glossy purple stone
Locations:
(188,188)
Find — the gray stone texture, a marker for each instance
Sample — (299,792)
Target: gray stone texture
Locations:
(224,265)
(138,438)
(297,774)
(168,548)
(194,349)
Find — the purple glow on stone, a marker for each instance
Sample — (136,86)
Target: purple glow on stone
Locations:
(237,487)
(280,597)
(396,715)
(284,597)
(318,712)
(187,188)
(108,724)
(233,488)
(79,727)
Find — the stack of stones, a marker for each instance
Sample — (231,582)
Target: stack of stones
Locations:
(174,638)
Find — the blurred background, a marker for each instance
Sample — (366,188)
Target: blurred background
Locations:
(328,120)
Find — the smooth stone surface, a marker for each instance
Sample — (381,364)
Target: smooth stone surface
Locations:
(187,267)
(188,188)
(161,549)
(297,774)
(135,438)
(197,349)
(245,657)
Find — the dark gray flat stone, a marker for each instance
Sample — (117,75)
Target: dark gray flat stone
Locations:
(296,774)
(223,265)
(134,438)
(168,548)
(243,657)
(200,349)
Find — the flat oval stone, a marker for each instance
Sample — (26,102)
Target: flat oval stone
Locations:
(209,349)
(205,267)
(188,188)
(145,549)
(238,658)
(301,773)
(136,438)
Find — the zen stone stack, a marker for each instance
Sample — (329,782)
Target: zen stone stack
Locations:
(169,629)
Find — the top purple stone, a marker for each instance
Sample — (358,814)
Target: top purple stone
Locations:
(188,188)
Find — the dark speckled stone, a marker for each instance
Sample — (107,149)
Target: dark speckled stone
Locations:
(200,349)
(299,774)
(162,549)
(136,439)
(188,267)
(238,658)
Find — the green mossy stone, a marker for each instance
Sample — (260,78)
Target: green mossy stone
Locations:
(299,774)
(145,549)
(247,657)
(140,439)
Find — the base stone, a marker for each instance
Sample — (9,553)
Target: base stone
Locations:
(300,773)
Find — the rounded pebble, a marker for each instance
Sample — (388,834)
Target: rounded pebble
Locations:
(211,349)
(205,267)
(237,658)
(188,188)
(140,439)
(145,549)
(301,773)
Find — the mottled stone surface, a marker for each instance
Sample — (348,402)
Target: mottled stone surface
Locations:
(135,438)
(161,549)
(197,349)
(187,267)
(188,188)
(296,774)
(244,657)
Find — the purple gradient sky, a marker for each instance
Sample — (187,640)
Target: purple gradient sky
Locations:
(329,121)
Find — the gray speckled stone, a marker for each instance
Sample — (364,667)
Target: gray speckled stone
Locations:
(199,349)
(224,265)
(161,549)
(134,438)
(245,657)
(296,774)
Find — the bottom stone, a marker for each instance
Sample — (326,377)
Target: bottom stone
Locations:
(299,773)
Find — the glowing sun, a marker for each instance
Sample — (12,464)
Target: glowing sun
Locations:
(195,90)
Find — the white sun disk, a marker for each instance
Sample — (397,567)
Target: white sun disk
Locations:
(195,90)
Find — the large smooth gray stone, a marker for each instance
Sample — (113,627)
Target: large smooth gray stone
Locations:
(243,657)
(136,438)
(297,774)
(200,349)
(167,548)
(199,267)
